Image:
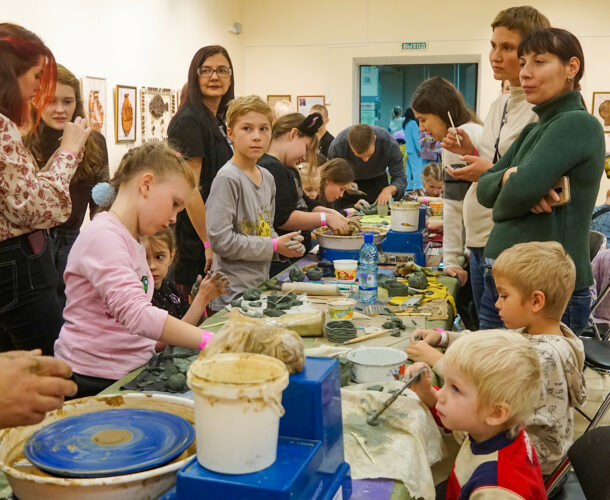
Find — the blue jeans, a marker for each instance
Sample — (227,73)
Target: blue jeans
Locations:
(63,239)
(477,264)
(30,316)
(488,313)
(576,315)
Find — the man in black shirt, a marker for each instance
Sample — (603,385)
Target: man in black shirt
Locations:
(370,150)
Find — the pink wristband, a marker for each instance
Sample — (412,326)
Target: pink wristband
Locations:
(424,199)
(206,336)
(476,152)
(206,244)
(274,245)
(69,153)
(322,219)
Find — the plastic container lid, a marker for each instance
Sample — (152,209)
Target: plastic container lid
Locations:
(368,237)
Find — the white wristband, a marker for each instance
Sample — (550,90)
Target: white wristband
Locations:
(444,338)
(322,218)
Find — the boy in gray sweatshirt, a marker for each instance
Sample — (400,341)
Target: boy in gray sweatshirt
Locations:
(241,204)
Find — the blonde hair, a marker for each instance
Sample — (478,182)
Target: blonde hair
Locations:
(320,108)
(155,157)
(522,20)
(504,368)
(539,265)
(241,106)
(310,176)
(282,107)
(433,171)
(361,137)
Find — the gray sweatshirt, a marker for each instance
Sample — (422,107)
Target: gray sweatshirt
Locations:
(239,220)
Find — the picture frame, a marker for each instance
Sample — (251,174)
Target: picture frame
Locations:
(125,114)
(601,109)
(305,102)
(157,107)
(273,98)
(93,91)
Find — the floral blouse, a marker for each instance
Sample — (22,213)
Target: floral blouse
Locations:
(30,198)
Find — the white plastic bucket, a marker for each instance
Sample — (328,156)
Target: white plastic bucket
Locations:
(372,364)
(237,410)
(405,216)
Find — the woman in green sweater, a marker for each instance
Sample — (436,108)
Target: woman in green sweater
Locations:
(566,141)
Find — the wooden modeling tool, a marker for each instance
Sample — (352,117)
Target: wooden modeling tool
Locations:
(373,419)
(368,336)
(457,137)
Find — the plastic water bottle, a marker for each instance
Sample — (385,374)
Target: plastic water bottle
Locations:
(367,271)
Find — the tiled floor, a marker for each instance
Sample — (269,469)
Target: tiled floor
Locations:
(598,385)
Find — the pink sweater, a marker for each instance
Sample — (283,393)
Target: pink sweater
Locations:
(110,324)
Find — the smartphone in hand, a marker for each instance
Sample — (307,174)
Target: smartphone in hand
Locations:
(562,188)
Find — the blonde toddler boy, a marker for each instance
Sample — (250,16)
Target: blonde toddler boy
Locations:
(492,383)
(534,281)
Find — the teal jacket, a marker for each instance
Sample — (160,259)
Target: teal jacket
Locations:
(567,140)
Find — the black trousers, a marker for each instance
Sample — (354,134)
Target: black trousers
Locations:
(30,315)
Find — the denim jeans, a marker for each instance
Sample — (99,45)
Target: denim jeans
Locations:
(576,315)
(488,313)
(62,239)
(477,265)
(30,316)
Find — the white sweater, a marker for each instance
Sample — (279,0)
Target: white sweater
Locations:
(477,218)
(454,222)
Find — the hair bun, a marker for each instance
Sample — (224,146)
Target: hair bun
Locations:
(310,125)
(103,194)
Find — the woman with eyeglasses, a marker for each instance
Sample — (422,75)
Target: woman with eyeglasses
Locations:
(198,131)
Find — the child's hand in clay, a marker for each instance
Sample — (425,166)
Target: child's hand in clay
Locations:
(423,385)
(422,351)
(289,245)
(432,337)
(213,286)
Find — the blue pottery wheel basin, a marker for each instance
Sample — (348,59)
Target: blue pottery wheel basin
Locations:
(109,442)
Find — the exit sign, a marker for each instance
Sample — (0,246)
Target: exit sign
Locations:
(414,45)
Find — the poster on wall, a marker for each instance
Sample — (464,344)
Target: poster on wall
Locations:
(157,106)
(94,98)
(125,105)
(601,109)
(305,102)
(273,98)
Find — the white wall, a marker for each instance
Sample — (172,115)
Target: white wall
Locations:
(297,48)
(130,42)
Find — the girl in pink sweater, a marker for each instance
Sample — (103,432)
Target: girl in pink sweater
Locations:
(110,326)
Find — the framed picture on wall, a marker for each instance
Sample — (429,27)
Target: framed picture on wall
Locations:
(305,102)
(125,104)
(157,106)
(601,109)
(273,98)
(94,99)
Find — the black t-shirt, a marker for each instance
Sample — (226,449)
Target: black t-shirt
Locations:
(325,142)
(288,194)
(168,298)
(196,137)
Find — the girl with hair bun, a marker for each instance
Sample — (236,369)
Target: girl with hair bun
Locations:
(110,326)
(33,197)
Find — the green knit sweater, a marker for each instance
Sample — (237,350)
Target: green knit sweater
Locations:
(567,140)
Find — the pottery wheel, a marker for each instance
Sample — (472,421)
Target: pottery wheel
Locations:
(109,443)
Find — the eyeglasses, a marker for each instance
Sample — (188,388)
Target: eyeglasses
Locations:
(221,71)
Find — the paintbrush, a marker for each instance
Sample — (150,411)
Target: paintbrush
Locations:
(373,419)
(457,137)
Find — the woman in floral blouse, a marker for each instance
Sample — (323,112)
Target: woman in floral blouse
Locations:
(32,199)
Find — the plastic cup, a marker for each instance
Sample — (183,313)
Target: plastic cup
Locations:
(382,210)
(345,270)
(341,309)
(436,208)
